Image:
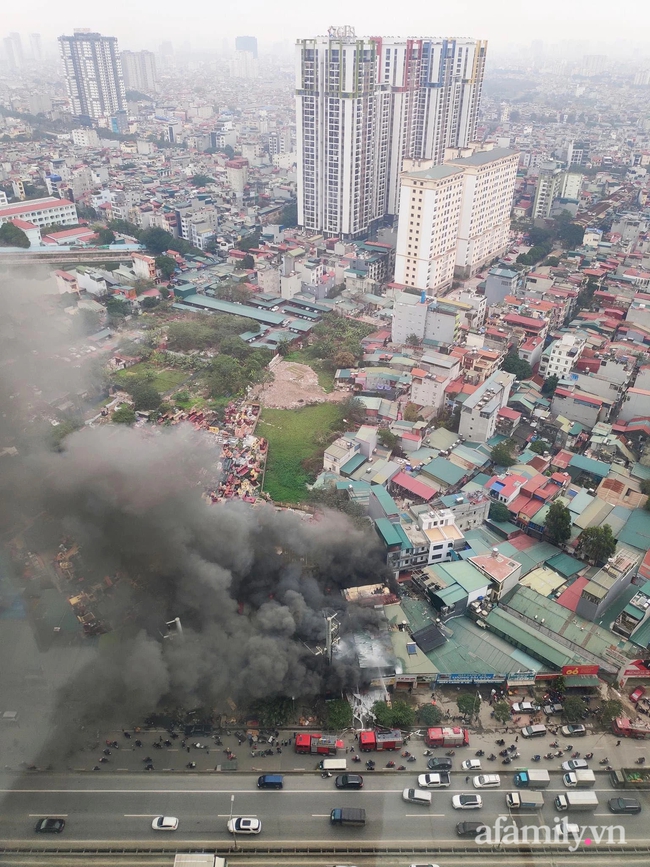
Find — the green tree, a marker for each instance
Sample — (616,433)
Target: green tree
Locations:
(552,262)
(247,263)
(117,307)
(353,411)
(201,180)
(166,265)
(469,704)
(12,236)
(403,715)
(411,412)
(598,543)
(499,512)
(558,522)
(284,346)
(430,715)
(229,151)
(539,446)
(339,714)
(105,237)
(124,415)
(249,242)
(387,438)
(502,455)
(123,227)
(344,359)
(225,377)
(145,396)
(383,714)
(156,240)
(513,364)
(550,384)
(289,215)
(610,710)
(149,303)
(273,712)
(501,712)
(573,708)
(413,340)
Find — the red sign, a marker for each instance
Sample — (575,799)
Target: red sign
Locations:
(573,670)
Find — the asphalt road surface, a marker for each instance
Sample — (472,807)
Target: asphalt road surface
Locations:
(120,809)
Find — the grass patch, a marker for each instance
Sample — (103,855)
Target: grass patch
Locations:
(325,377)
(293,436)
(164,378)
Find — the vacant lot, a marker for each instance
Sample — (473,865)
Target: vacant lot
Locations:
(325,377)
(294,436)
(164,378)
(295,385)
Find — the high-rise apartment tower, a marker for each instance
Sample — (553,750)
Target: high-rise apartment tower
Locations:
(363,105)
(93,73)
(139,69)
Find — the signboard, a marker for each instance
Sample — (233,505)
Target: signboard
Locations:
(346,32)
(578,670)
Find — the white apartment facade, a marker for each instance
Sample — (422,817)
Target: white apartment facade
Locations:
(431,321)
(363,106)
(430,203)
(478,414)
(453,217)
(93,74)
(488,193)
(41,212)
(561,356)
(139,68)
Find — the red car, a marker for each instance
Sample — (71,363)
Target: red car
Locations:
(637,693)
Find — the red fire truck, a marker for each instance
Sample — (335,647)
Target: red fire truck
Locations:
(316,743)
(626,728)
(447,736)
(374,740)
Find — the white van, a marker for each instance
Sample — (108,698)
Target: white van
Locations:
(417,796)
(333,765)
(533,731)
(487,781)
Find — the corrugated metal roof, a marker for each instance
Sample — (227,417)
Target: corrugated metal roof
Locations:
(565,565)
(537,644)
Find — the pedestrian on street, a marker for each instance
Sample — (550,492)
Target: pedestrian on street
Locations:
(208,752)
(618,743)
(506,728)
(517,738)
(188,749)
(467,779)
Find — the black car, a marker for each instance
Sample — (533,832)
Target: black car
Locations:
(469,829)
(349,781)
(441,764)
(624,805)
(49,826)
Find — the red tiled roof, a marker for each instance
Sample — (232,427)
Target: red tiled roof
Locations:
(406,481)
(34,205)
(570,597)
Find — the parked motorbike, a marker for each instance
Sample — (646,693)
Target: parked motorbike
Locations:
(491,758)
(405,754)
(639,761)
(450,753)
(554,744)
(504,752)
(402,768)
(326,774)
(356,758)
(500,742)
(506,761)
(568,748)
(604,761)
(589,756)
(559,754)
(537,758)
(549,756)
(575,755)
(428,752)
(390,764)
(479,753)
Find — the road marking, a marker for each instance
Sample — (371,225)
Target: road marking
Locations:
(423,815)
(122,769)
(141,815)
(58,815)
(229,816)
(319,815)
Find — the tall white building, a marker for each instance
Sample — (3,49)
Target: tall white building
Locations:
(363,106)
(36,47)
(244,65)
(93,74)
(139,68)
(453,217)
(478,414)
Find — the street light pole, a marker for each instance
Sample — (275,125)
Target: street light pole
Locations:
(234,833)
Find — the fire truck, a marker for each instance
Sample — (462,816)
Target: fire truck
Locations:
(316,743)
(376,740)
(447,736)
(627,728)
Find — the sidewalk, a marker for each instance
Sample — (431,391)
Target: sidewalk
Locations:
(213,758)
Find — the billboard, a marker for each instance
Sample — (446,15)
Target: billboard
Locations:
(575,670)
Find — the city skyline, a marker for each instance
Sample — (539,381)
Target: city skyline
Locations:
(149,23)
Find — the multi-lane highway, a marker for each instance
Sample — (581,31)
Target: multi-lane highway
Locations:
(120,809)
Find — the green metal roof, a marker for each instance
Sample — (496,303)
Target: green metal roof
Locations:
(536,644)
(459,573)
(636,531)
(353,464)
(589,465)
(389,532)
(385,500)
(444,471)
(565,565)
(633,611)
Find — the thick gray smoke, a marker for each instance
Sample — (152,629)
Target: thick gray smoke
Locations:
(248,583)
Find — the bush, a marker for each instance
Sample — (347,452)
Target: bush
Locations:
(430,715)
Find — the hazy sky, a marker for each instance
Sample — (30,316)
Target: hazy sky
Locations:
(144,23)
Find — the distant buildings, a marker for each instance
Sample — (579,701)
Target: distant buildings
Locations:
(479,413)
(247,43)
(139,68)
(41,212)
(93,74)
(363,106)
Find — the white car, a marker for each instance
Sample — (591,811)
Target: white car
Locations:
(575,765)
(487,781)
(467,802)
(242,825)
(471,765)
(525,707)
(164,823)
(434,781)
